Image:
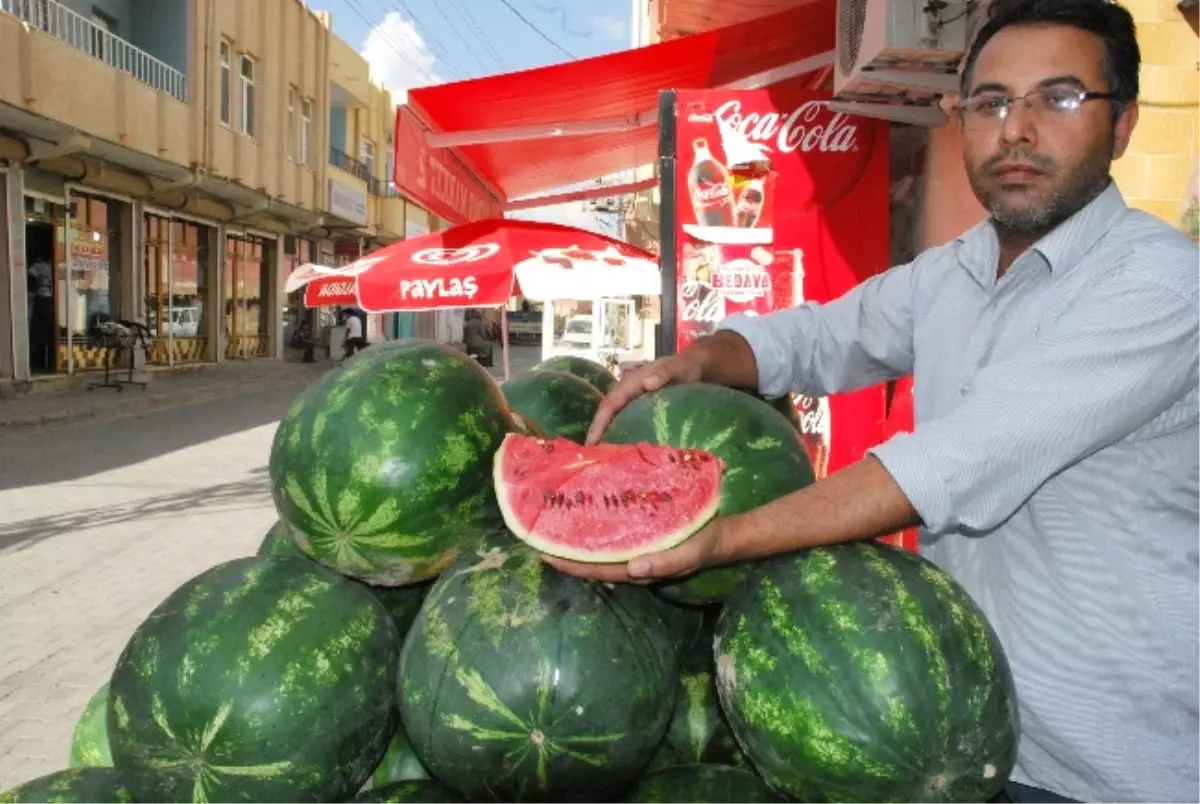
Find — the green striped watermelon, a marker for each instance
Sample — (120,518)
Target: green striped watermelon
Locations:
(412,791)
(402,602)
(382,468)
(581,367)
(864,673)
(399,764)
(89,742)
(261,679)
(685,784)
(562,404)
(77,785)
(762,453)
(521,683)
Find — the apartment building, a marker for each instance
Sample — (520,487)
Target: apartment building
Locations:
(169,161)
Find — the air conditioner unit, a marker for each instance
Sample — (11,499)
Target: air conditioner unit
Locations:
(896,58)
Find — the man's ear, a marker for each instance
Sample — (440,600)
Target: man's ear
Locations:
(1123,132)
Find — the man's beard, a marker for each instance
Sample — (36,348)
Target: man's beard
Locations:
(1054,206)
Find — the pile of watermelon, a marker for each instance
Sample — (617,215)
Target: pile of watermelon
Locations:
(394,639)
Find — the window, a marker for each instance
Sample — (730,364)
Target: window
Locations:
(102,28)
(247,78)
(305,129)
(368,158)
(226,49)
(292,127)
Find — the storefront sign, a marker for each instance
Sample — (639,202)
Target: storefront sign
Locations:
(434,179)
(346,202)
(780,200)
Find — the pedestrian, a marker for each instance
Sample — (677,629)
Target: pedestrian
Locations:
(1053,467)
(354,339)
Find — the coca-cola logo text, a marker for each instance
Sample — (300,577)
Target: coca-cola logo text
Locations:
(336,289)
(700,303)
(711,193)
(808,128)
(440,288)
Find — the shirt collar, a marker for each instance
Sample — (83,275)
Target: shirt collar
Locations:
(1062,249)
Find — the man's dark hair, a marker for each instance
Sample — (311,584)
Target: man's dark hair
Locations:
(1105,19)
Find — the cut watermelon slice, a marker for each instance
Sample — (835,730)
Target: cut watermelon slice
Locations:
(606,503)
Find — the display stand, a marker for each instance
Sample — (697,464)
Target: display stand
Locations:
(114,337)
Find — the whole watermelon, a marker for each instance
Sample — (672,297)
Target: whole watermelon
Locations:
(521,683)
(764,457)
(382,468)
(864,673)
(89,742)
(261,679)
(562,404)
(402,602)
(77,785)
(589,370)
(412,791)
(685,784)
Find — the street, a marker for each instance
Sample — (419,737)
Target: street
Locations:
(102,519)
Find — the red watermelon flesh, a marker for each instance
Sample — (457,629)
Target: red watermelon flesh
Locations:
(606,503)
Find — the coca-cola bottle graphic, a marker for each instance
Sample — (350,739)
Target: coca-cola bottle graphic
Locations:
(815,425)
(749,204)
(708,184)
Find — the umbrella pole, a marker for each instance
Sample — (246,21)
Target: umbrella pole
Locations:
(504,340)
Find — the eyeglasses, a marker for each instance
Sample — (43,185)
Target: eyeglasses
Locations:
(1052,104)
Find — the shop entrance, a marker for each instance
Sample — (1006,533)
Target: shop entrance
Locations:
(40,260)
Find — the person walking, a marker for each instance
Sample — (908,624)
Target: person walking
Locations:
(1054,467)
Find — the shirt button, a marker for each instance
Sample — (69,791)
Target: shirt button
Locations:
(963,390)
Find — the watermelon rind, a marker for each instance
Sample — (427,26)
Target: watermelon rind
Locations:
(581,367)
(561,404)
(702,783)
(261,679)
(656,543)
(863,672)
(410,791)
(522,683)
(89,741)
(382,468)
(399,764)
(73,786)
(763,456)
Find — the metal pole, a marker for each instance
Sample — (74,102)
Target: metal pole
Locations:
(504,341)
(170,292)
(668,259)
(69,302)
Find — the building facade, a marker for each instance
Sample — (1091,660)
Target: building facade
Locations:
(168,162)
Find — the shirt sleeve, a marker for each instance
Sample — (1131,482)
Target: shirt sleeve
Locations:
(857,340)
(1116,360)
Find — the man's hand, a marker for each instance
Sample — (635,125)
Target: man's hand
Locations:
(701,550)
(650,377)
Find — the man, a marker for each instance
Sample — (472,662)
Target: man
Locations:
(354,335)
(1055,462)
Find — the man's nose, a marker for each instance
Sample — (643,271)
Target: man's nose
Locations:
(1020,125)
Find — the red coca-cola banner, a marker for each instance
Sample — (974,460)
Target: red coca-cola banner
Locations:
(779,201)
(434,179)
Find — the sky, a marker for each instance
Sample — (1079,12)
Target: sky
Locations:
(416,43)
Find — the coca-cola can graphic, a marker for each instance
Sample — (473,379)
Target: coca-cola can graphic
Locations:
(743,279)
(700,306)
(709,188)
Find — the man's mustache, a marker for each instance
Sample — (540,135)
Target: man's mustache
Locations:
(1022,156)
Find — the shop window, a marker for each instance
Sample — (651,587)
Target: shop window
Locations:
(175,264)
(249,264)
(87,295)
(305,129)
(247,81)
(226,51)
(368,158)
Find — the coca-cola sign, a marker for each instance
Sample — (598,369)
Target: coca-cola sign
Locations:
(336,289)
(809,127)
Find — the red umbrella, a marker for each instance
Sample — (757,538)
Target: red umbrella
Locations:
(478,265)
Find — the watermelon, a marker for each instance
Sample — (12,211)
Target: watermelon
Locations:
(83,785)
(402,602)
(526,426)
(89,743)
(762,453)
(417,791)
(261,679)
(399,764)
(864,673)
(605,503)
(702,783)
(562,404)
(521,683)
(382,468)
(581,367)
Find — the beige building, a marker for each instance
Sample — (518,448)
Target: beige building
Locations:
(168,162)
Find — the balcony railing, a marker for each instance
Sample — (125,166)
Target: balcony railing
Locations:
(87,37)
(344,161)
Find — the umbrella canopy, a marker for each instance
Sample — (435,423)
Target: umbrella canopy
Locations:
(480,265)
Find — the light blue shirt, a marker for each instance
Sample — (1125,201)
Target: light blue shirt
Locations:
(1055,465)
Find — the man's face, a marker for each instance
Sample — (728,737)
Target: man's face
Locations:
(1037,167)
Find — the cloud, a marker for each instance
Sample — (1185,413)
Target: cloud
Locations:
(399,57)
(611,27)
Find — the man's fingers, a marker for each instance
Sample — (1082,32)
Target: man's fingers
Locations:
(608,573)
(673,563)
(647,378)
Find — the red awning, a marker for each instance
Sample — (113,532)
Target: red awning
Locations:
(521,132)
